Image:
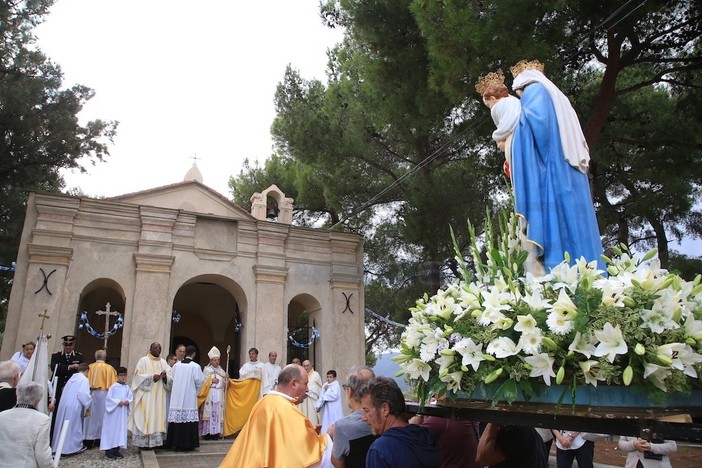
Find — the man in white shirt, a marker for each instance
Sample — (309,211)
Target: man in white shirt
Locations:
(270,371)
(253,369)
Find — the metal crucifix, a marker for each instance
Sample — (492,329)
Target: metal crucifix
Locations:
(107,314)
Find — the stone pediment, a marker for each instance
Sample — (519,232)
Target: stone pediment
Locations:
(191,196)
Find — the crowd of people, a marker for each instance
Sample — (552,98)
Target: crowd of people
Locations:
(172,403)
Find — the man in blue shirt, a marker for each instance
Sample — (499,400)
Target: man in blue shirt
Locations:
(400,443)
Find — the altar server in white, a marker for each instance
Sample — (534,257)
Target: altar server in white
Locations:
(329,403)
(114,423)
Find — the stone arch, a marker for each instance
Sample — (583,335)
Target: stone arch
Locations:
(207,308)
(94,297)
(304,312)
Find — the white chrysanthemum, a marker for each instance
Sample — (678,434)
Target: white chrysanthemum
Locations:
(559,324)
(583,344)
(530,342)
(611,342)
(418,368)
(502,347)
(542,365)
(683,357)
(472,354)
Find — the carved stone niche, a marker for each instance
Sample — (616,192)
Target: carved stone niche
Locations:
(272,205)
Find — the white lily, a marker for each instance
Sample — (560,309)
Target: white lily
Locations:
(418,368)
(583,344)
(502,347)
(683,357)
(565,306)
(444,361)
(472,353)
(656,374)
(591,372)
(542,365)
(658,319)
(453,380)
(525,324)
(693,328)
(611,342)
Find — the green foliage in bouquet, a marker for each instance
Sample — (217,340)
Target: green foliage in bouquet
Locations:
(635,324)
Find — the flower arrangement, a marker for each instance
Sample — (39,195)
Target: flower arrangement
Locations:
(635,324)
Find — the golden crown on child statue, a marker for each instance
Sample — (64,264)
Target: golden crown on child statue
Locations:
(491,79)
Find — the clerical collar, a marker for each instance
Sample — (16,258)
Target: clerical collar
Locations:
(186,360)
(292,400)
(24,405)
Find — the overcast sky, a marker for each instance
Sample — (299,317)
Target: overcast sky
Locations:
(182,78)
(185,78)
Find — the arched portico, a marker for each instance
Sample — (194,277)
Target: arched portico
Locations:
(93,298)
(303,315)
(206,310)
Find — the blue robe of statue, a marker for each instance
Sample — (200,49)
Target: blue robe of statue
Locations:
(550,194)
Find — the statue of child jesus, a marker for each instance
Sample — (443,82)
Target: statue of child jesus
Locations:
(504,109)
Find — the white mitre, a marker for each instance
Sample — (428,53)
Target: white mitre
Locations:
(214,352)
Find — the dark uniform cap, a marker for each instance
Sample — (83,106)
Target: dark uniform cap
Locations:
(68,339)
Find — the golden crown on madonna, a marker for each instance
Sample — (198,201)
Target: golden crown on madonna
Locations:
(526,65)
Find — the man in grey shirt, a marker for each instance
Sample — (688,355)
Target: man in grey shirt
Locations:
(352,437)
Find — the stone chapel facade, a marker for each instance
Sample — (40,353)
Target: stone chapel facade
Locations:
(183,264)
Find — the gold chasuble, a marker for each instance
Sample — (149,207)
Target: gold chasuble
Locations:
(101,376)
(277,435)
(241,397)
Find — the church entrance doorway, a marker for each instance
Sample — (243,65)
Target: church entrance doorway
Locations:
(207,312)
(97,299)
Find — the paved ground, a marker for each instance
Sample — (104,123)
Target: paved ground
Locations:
(210,454)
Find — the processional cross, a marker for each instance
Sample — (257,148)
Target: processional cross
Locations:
(107,313)
(43,317)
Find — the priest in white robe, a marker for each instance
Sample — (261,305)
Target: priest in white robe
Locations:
(329,403)
(101,376)
(253,369)
(314,389)
(271,370)
(212,409)
(75,400)
(151,385)
(114,423)
(182,415)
